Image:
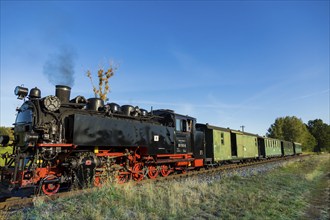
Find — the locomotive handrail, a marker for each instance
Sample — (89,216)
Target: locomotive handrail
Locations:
(55,145)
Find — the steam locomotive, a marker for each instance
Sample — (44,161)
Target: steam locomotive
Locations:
(62,142)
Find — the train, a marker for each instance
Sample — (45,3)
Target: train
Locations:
(61,142)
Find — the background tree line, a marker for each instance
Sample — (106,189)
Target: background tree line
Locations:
(314,136)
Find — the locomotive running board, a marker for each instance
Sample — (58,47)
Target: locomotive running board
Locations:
(56,145)
(173,160)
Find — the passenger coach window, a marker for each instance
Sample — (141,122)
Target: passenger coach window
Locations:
(222,139)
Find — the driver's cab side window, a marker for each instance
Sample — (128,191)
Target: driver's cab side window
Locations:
(183,125)
(178,124)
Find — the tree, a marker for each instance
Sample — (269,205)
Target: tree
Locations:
(292,129)
(103,78)
(321,132)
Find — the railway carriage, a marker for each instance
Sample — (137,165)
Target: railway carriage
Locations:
(297,148)
(272,148)
(245,145)
(287,148)
(218,146)
(224,145)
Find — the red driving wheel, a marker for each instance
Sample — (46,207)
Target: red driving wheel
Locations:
(123,177)
(165,170)
(152,172)
(137,172)
(50,188)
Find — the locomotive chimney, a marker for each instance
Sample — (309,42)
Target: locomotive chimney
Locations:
(63,93)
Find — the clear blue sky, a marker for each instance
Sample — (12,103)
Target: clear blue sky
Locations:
(228,63)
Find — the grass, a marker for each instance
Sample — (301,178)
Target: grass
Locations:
(2,151)
(283,193)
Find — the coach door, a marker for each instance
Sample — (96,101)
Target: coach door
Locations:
(261,147)
(234,145)
(183,134)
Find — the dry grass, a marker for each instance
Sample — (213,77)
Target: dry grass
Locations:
(280,194)
(2,151)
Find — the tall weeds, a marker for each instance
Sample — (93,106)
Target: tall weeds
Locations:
(279,194)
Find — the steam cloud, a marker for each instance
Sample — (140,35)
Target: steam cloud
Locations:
(59,67)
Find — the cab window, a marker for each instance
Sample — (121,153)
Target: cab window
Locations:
(24,115)
(178,124)
(181,125)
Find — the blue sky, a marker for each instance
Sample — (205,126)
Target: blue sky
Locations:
(227,63)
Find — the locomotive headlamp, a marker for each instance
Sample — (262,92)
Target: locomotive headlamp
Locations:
(21,92)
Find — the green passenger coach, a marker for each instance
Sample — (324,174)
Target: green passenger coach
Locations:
(273,147)
(217,143)
(221,144)
(297,148)
(244,145)
(287,148)
(224,144)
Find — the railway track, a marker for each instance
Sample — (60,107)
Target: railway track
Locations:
(15,203)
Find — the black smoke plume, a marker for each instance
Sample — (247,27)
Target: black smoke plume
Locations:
(59,67)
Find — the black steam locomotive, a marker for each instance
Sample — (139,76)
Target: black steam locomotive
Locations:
(60,142)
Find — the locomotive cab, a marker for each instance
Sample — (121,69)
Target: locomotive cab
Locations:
(188,140)
(184,133)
